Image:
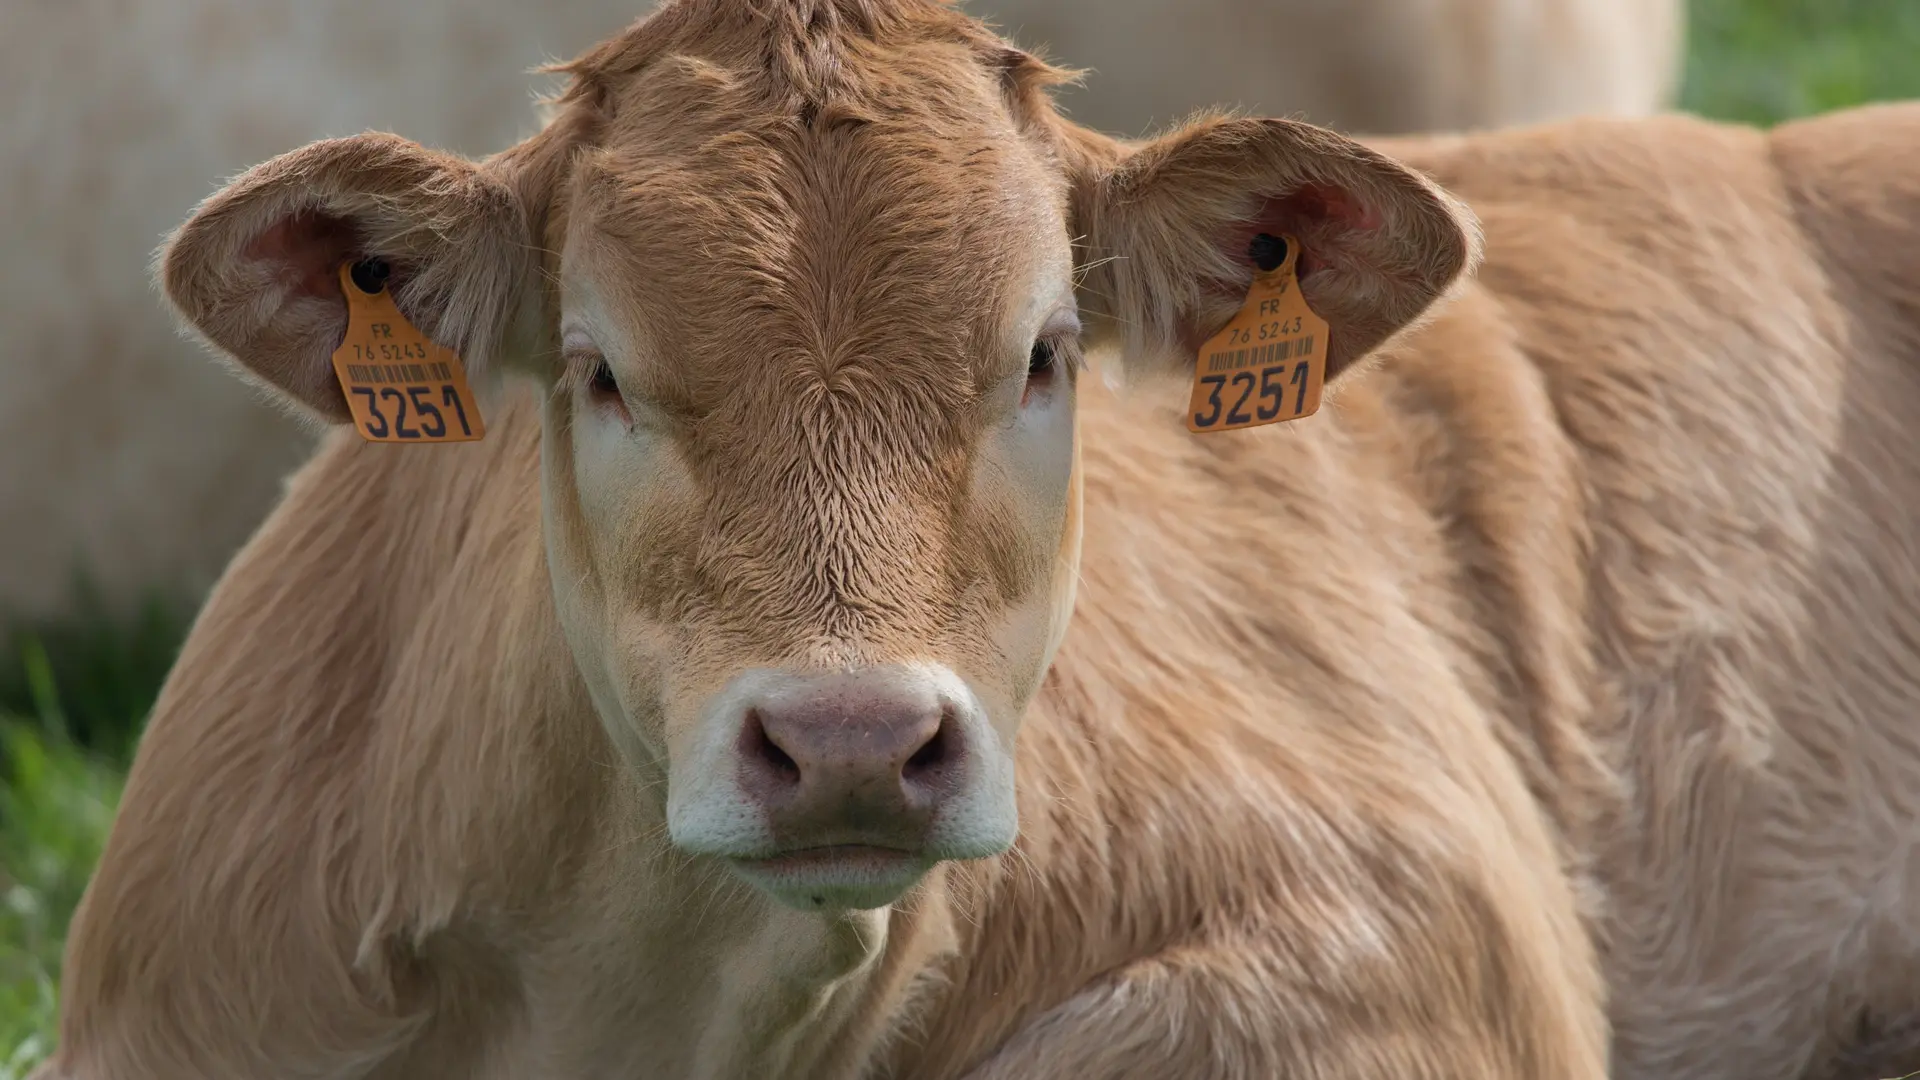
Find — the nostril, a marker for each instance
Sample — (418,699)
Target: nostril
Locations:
(936,756)
(761,747)
(927,757)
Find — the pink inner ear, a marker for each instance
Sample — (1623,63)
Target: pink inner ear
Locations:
(308,248)
(1322,216)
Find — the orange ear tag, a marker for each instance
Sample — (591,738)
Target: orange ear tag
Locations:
(401,387)
(1268,364)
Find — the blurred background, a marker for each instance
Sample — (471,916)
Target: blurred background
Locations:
(132,465)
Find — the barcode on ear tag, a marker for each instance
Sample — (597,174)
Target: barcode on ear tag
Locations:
(1268,364)
(401,387)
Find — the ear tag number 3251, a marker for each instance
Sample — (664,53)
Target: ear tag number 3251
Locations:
(401,387)
(1268,364)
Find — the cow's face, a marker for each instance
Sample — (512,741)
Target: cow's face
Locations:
(800,284)
(809,463)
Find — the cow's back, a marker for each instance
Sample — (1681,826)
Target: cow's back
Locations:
(1725,322)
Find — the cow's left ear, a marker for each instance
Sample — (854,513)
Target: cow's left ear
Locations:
(1167,229)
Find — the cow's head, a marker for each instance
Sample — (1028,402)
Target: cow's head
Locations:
(808,284)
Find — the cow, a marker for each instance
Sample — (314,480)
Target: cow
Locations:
(820,668)
(1379,67)
(136,463)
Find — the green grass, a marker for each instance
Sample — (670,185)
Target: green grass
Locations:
(1763,61)
(73,695)
(99,671)
(56,802)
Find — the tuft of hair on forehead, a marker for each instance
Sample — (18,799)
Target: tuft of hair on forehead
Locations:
(800,52)
(822,164)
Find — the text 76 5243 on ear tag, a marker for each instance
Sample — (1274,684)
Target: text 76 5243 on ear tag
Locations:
(401,387)
(1269,363)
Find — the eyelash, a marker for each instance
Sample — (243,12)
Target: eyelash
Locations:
(595,377)
(1041,360)
(602,381)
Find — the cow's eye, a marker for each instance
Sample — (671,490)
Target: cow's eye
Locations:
(1040,360)
(604,392)
(602,381)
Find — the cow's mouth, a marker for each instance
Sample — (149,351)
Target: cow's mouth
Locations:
(836,876)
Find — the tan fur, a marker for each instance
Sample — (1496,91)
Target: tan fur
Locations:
(1380,66)
(1539,708)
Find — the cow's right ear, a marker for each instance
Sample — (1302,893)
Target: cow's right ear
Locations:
(1171,225)
(256,269)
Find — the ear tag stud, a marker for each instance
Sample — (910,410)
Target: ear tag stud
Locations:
(1268,364)
(401,387)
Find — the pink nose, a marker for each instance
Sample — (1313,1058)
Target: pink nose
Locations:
(851,760)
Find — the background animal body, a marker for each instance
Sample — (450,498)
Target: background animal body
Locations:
(129,456)
(1376,66)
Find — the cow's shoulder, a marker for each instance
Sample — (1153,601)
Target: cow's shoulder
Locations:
(347,750)
(1654,277)
(1853,180)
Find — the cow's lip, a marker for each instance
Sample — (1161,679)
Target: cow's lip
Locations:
(836,875)
(830,859)
(827,855)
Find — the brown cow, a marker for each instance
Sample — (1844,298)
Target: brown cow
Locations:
(1543,702)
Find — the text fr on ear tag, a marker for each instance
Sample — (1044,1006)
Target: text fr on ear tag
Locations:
(401,387)
(1268,364)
